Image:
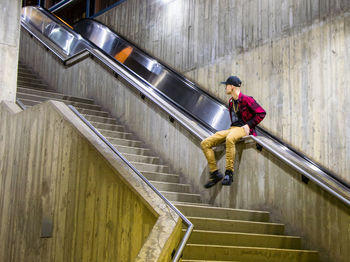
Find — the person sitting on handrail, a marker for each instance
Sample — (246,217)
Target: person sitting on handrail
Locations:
(245,114)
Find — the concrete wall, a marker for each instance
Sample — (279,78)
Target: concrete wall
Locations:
(9,45)
(55,169)
(292,56)
(262,182)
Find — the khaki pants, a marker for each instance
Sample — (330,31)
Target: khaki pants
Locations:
(231,135)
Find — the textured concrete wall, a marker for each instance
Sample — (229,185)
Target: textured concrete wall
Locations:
(54,168)
(9,44)
(292,56)
(262,181)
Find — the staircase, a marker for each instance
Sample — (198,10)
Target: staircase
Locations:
(220,234)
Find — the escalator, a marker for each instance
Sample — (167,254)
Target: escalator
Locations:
(185,102)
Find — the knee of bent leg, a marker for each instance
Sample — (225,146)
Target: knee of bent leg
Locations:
(205,144)
(231,139)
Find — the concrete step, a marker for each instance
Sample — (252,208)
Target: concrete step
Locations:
(150,167)
(53,94)
(30,79)
(32,88)
(24,70)
(125,142)
(106,120)
(224,213)
(26,84)
(175,203)
(25,73)
(92,112)
(161,177)
(42,95)
(28,102)
(182,197)
(142,159)
(172,187)
(248,254)
(241,226)
(203,237)
(133,150)
(112,127)
(116,134)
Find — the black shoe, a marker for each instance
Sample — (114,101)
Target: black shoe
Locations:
(215,177)
(228,179)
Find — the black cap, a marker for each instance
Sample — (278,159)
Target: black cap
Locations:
(233,80)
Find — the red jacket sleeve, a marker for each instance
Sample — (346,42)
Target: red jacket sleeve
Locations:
(258,112)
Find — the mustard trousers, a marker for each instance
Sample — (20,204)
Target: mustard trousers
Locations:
(231,135)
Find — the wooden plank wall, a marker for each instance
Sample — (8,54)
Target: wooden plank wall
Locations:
(292,56)
(49,171)
(262,182)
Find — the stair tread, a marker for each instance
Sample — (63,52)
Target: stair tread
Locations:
(234,220)
(107,124)
(241,233)
(74,103)
(141,163)
(109,118)
(55,93)
(113,131)
(128,154)
(175,203)
(258,248)
(160,173)
(168,183)
(234,209)
(32,88)
(132,147)
(171,192)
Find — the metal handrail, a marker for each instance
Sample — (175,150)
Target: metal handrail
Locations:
(189,225)
(20,104)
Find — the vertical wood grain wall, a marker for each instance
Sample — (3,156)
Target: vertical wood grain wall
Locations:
(292,56)
(48,171)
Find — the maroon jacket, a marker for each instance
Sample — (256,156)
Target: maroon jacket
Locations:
(249,110)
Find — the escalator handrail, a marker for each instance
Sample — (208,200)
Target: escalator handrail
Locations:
(341,190)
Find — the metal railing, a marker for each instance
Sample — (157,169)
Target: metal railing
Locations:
(20,104)
(189,225)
